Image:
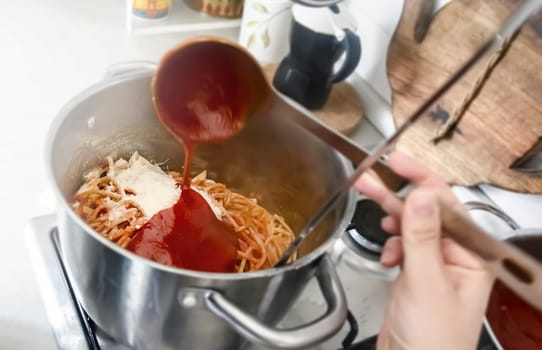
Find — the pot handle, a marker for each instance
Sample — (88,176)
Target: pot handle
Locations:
(474,205)
(317,3)
(294,338)
(120,69)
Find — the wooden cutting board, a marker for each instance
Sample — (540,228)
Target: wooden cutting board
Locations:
(504,121)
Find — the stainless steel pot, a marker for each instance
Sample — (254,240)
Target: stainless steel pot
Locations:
(150,306)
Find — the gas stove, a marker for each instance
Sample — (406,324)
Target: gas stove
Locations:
(366,284)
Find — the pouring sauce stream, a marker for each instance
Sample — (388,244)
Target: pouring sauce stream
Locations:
(202,92)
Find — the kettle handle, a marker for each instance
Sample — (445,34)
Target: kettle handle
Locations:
(353,54)
(294,338)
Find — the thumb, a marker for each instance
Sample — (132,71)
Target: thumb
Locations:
(421,236)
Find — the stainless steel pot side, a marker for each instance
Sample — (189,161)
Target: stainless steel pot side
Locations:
(150,306)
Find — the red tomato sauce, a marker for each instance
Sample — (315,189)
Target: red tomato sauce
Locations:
(188,235)
(515,324)
(200,97)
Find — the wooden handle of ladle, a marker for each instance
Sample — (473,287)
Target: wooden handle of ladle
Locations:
(513,267)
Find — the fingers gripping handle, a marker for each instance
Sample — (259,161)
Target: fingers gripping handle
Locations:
(294,338)
(519,271)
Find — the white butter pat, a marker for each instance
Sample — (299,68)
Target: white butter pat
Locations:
(150,187)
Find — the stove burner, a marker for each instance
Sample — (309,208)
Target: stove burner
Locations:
(364,234)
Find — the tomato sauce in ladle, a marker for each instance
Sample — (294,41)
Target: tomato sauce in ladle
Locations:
(202,92)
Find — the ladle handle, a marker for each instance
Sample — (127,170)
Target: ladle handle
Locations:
(518,270)
(283,106)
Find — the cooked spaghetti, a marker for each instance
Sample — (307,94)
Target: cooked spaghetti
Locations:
(115,201)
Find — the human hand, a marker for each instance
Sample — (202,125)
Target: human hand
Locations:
(438,300)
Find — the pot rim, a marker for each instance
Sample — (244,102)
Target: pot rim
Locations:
(62,203)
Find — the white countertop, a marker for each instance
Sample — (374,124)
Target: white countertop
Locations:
(53,49)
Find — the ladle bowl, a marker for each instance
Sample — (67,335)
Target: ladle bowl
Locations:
(204,89)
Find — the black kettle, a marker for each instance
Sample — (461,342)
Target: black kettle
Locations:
(324,50)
